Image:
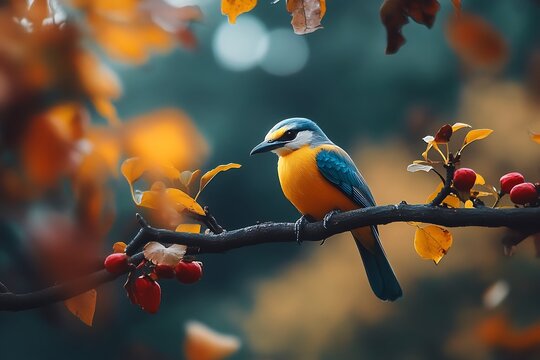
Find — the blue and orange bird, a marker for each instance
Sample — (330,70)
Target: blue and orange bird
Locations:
(319,179)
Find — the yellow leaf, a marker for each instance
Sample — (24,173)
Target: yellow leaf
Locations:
(132,169)
(432,242)
(189,228)
(206,178)
(450,201)
(477,134)
(457,126)
(183,200)
(119,247)
(479,180)
(194,176)
(535,137)
(148,199)
(233,8)
(83,306)
(469,204)
(161,255)
(188,178)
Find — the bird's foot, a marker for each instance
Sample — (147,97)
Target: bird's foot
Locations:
(322,242)
(298,225)
(328,218)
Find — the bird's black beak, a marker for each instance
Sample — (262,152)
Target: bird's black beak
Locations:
(266,146)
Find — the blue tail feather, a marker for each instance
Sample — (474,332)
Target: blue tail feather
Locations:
(381,277)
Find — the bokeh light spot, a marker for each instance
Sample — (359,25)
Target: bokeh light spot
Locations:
(241,46)
(287,53)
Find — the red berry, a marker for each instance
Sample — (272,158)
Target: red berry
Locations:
(116,263)
(523,194)
(464,179)
(164,271)
(147,293)
(510,180)
(188,272)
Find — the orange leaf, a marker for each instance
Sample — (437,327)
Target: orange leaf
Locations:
(50,146)
(535,137)
(233,8)
(206,178)
(106,109)
(97,79)
(395,13)
(203,343)
(83,306)
(307,15)
(432,242)
(476,42)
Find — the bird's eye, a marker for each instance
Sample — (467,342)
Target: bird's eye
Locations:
(288,135)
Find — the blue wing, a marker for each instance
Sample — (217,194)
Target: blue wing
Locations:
(338,168)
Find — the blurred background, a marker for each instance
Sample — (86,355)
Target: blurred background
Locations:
(85,84)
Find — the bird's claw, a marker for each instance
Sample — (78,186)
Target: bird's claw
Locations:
(328,218)
(298,225)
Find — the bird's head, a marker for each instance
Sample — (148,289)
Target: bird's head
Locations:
(290,135)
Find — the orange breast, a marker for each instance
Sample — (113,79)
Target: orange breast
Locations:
(306,188)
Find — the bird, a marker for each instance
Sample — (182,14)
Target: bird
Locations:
(320,179)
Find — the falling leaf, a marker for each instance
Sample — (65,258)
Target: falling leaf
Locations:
(458,126)
(444,134)
(161,255)
(394,15)
(184,201)
(535,137)
(233,8)
(457,4)
(203,343)
(307,15)
(83,306)
(476,42)
(419,167)
(432,242)
(477,134)
(206,178)
(189,228)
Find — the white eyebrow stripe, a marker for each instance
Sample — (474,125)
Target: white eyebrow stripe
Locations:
(302,138)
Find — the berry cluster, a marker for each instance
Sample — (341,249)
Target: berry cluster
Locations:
(145,290)
(521,192)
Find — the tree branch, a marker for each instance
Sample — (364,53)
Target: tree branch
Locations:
(524,220)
